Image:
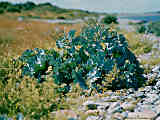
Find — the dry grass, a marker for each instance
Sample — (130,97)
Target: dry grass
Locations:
(29,34)
(137,43)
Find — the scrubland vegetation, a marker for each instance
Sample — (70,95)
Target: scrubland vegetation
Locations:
(70,62)
(151,27)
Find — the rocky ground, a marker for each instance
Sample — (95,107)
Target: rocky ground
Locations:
(132,105)
(143,104)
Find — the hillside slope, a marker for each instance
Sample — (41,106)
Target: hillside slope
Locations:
(44,10)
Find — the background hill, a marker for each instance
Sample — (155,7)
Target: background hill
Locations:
(43,10)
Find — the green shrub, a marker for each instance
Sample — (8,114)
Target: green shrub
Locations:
(131,23)
(147,49)
(155,28)
(108,19)
(86,59)
(34,17)
(45,4)
(13,9)
(141,29)
(4,5)
(28,6)
(61,17)
(1,11)
(17,7)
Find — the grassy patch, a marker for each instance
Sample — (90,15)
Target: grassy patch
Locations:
(155,28)
(152,61)
(17,36)
(138,43)
(6,40)
(25,96)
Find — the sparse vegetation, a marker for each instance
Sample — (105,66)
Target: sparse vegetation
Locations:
(71,62)
(1,11)
(61,17)
(155,28)
(143,27)
(24,95)
(137,43)
(27,92)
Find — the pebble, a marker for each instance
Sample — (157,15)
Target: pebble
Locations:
(118,116)
(158,85)
(92,118)
(114,107)
(140,95)
(142,115)
(128,106)
(156,69)
(65,113)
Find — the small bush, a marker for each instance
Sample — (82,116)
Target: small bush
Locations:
(13,9)
(17,7)
(141,29)
(28,6)
(147,49)
(131,23)
(1,11)
(155,28)
(108,19)
(4,5)
(45,4)
(61,17)
(86,59)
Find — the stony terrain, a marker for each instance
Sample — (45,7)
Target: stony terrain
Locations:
(141,104)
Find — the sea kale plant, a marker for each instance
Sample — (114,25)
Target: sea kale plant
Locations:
(91,58)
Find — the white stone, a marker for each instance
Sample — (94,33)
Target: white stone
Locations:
(142,115)
(92,118)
